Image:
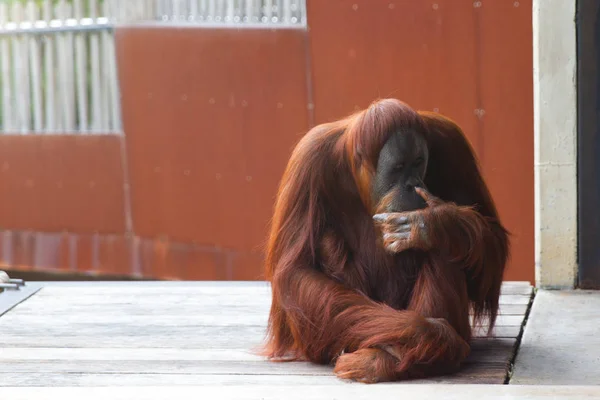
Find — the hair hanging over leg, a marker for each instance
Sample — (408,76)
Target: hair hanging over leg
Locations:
(338,294)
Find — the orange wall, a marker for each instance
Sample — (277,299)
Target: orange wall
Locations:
(211,116)
(61,183)
(473,64)
(225,116)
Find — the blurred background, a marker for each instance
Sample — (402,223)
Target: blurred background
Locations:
(145,139)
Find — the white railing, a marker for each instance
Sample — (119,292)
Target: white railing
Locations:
(276,13)
(58,71)
(58,68)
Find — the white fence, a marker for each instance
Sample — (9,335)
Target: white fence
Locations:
(57,77)
(277,13)
(58,71)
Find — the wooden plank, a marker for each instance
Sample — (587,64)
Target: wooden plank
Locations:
(157,336)
(195,337)
(160,310)
(256,293)
(188,317)
(260,293)
(507,320)
(172,305)
(513,309)
(165,367)
(121,293)
(101,319)
(491,376)
(190,302)
(508,287)
(499,332)
(230,367)
(517,288)
(197,299)
(511,299)
(192,296)
(489,351)
(44,354)
(109,379)
(181,308)
(171,380)
(273,390)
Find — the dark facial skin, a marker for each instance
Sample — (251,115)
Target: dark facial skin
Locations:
(400,169)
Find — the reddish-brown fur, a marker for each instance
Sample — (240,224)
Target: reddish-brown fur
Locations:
(338,296)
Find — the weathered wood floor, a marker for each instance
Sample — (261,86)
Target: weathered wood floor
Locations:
(183,333)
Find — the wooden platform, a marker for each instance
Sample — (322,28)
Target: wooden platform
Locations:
(182,333)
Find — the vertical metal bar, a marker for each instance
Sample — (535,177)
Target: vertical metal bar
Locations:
(7,97)
(287,11)
(268,11)
(230,11)
(249,13)
(36,71)
(193,10)
(96,98)
(176,10)
(303,11)
(81,69)
(112,87)
(203,10)
(69,47)
(212,10)
(20,71)
(49,71)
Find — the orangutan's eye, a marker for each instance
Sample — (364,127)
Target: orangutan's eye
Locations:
(398,167)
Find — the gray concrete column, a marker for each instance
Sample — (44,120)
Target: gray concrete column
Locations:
(555,143)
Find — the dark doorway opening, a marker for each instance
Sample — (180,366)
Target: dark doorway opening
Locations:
(588,137)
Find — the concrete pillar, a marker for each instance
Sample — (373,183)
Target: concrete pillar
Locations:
(555,143)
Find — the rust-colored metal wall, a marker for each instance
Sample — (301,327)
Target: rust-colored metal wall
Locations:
(62,202)
(471,61)
(506,125)
(210,120)
(211,116)
(56,183)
